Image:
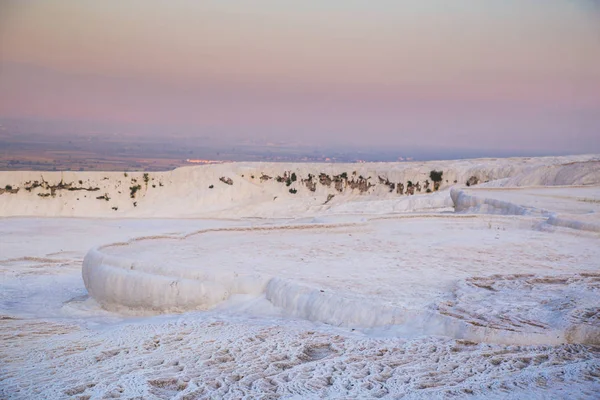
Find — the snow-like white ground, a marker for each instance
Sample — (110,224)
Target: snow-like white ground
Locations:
(373,296)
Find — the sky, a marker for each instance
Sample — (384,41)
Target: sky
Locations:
(511,75)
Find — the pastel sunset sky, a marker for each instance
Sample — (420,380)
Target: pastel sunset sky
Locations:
(513,75)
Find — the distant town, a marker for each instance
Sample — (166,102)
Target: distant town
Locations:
(28,150)
(42,146)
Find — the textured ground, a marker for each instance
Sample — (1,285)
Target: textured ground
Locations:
(57,343)
(209,356)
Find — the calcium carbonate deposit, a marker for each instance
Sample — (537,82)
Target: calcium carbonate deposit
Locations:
(472,278)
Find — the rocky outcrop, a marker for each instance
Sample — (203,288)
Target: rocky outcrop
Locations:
(385,181)
(400,188)
(226,180)
(310,183)
(360,183)
(339,182)
(325,179)
(472,181)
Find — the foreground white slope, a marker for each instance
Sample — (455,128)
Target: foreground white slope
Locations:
(487,290)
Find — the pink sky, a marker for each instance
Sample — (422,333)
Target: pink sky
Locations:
(505,74)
